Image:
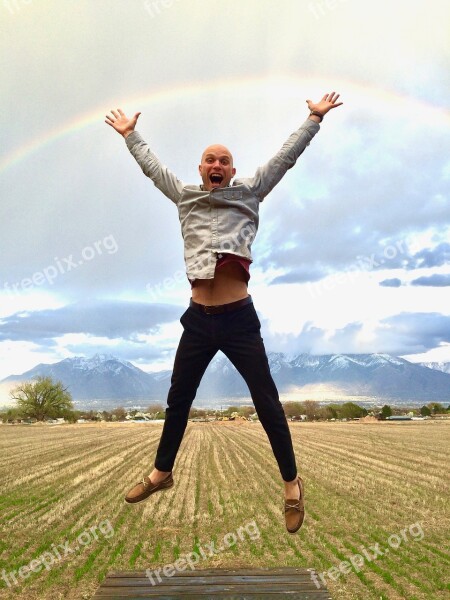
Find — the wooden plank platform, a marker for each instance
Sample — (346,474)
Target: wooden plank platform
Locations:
(206,584)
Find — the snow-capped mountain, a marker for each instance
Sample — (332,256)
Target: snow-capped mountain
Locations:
(101,377)
(104,377)
(438,366)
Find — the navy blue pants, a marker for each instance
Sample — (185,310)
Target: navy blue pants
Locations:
(237,335)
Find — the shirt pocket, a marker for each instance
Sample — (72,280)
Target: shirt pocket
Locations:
(232,195)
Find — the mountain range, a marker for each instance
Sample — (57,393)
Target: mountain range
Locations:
(106,381)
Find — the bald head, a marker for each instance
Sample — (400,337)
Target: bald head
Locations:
(216,167)
(217,150)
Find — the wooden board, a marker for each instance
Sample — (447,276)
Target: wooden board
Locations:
(229,584)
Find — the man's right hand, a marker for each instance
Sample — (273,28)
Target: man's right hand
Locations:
(121,123)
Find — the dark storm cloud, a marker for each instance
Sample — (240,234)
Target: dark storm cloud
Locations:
(433,257)
(404,333)
(300,275)
(111,319)
(415,332)
(435,280)
(395,282)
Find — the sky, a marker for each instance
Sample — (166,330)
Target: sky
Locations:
(353,249)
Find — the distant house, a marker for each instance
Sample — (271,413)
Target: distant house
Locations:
(399,418)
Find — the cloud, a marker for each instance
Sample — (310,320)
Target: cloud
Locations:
(404,333)
(435,280)
(415,332)
(432,257)
(360,206)
(395,282)
(110,319)
(300,275)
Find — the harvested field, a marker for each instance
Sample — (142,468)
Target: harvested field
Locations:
(377,490)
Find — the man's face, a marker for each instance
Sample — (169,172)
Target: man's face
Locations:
(216,168)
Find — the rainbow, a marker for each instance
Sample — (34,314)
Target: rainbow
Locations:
(356,95)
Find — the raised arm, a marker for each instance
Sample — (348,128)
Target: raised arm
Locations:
(267,176)
(150,164)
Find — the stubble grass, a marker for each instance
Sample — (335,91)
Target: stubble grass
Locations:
(364,482)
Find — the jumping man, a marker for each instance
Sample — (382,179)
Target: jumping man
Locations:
(219,221)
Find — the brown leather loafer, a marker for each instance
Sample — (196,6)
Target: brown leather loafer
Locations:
(294,510)
(145,488)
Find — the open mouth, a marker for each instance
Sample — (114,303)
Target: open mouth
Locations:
(216,178)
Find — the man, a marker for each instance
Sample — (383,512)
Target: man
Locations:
(219,221)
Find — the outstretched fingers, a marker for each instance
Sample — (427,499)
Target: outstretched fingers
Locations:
(332,99)
(118,115)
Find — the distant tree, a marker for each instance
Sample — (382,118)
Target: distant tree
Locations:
(436,408)
(106,415)
(71,416)
(89,415)
(293,409)
(230,410)
(335,409)
(42,399)
(246,411)
(119,414)
(157,407)
(328,412)
(425,411)
(11,414)
(196,413)
(310,408)
(386,412)
(350,410)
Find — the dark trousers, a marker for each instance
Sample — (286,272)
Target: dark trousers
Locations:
(237,335)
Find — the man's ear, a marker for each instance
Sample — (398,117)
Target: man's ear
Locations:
(233,172)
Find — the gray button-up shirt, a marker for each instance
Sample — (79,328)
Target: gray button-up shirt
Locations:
(224,219)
